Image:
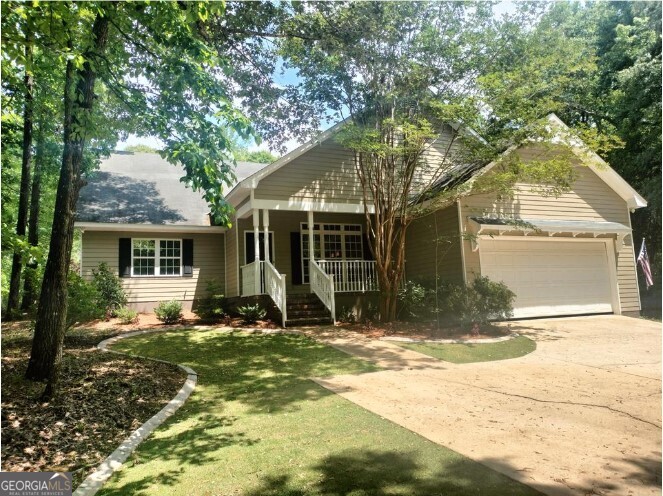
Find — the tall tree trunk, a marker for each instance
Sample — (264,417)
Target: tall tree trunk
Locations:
(50,325)
(24,195)
(30,274)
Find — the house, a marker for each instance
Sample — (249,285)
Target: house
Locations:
(565,255)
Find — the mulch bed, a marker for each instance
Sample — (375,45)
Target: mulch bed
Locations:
(102,398)
(424,330)
(149,321)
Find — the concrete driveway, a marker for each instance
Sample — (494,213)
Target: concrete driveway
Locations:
(580,415)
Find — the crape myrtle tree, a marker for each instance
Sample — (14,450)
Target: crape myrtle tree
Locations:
(154,68)
(404,74)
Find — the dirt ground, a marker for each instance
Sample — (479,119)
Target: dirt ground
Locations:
(581,415)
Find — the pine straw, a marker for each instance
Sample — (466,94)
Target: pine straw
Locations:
(102,398)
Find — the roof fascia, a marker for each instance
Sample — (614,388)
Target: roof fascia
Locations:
(183,228)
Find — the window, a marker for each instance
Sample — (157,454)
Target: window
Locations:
(332,242)
(156,257)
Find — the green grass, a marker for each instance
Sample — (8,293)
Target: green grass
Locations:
(256,426)
(471,352)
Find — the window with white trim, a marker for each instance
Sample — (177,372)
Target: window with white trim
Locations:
(331,242)
(156,257)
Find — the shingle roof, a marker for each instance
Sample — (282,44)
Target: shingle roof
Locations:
(143,188)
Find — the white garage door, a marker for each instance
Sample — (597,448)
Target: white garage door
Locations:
(550,277)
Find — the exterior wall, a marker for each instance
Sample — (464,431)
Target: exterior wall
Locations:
(433,246)
(282,224)
(232,265)
(590,199)
(143,293)
(325,172)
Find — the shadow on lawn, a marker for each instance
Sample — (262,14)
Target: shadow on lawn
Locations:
(268,374)
(382,473)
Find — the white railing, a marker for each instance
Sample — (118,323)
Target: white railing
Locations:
(252,279)
(275,287)
(322,284)
(351,275)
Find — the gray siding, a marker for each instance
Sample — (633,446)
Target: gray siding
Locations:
(433,247)
(208,260)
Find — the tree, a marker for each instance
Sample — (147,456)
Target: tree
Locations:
(403,73)
(260,156)
(598,66)
(147,68)
(24,196)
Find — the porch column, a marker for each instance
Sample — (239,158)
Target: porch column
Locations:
(265,225)
(311,247)
(256,248)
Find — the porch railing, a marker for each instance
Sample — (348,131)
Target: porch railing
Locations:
(275,287)
(351,275)
(252,280)
(322,285)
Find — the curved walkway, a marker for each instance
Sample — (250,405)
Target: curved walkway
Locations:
(580,415)
(114,461)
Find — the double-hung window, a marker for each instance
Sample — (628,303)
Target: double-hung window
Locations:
(156,257)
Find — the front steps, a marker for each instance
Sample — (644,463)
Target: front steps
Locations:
(306,309)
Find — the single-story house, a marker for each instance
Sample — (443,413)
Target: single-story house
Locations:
(565,255)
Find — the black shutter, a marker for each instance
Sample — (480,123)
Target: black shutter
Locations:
(368,254)
(187,257)
(249,248)
(124,257)
(296,257)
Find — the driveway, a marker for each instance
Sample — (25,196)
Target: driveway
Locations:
(580,415)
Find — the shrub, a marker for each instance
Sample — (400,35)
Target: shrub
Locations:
(127,315)
(413,299)
(83,300)
(109,287)
(210,308)
(347,316)
(251,313)
(169,312)
(482,301)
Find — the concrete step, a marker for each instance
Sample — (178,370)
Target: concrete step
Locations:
(308,314)
(305,321)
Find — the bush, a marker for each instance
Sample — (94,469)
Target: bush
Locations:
(210,308)
(111,295)
(347,316)
(169,312)
(127,315)
(414,301)
(251,313)
(83,300)
(484,300)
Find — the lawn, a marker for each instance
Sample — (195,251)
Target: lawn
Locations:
(471,352)
(255,425)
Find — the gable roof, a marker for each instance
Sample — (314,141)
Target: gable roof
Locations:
(143,188)
(591,159)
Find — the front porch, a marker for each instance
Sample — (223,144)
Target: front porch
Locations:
(278,261)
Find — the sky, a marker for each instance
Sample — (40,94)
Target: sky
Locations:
(286,78)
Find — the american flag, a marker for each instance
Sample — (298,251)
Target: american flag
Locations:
(643,261)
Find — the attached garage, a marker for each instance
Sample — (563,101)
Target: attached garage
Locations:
(554,276)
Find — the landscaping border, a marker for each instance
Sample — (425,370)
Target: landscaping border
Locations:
(450,341)
(114,461)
